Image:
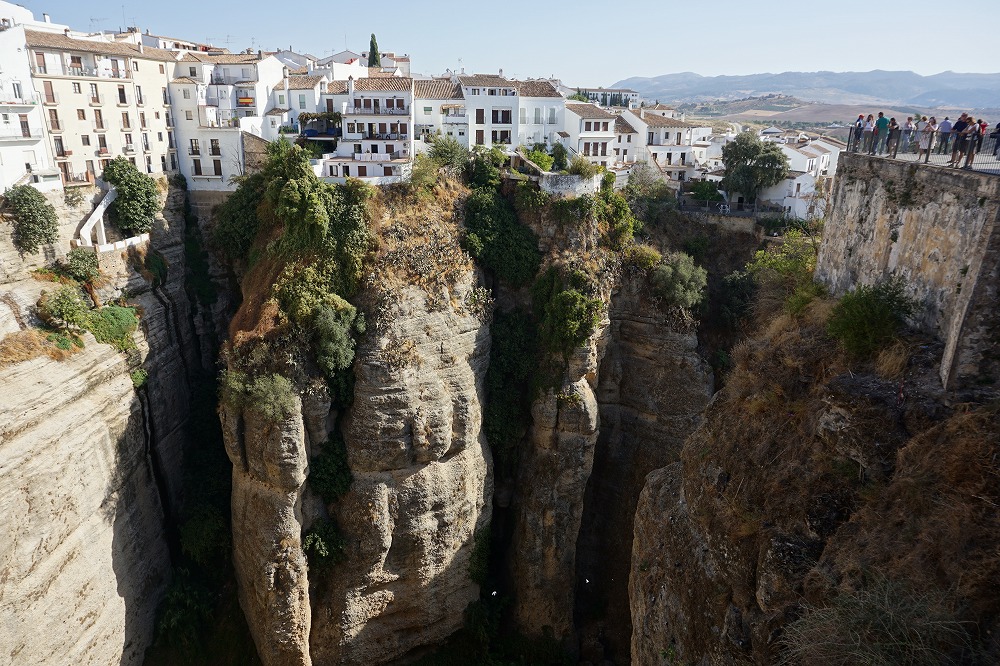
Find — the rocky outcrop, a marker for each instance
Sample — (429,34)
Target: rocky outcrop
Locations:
(651,391)
(422,484)
(91,467)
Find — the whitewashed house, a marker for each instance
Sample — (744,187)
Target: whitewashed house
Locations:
(627,140)
(25,152)
(677,148)
(797,196)
(591,132)
(439,110)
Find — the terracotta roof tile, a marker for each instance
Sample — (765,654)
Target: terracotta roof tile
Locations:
(622,126)
(537,88)
(486,81)
(336,88)
(590,111)
(276,112)
(58,41)
(222,58)
(388,84)
(654,120)
(436,89)
(301,82)
(184,79)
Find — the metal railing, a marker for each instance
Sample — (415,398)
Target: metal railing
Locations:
(377,111)
(17,133)
(974,151)
(50,99)
(738,209)
(377,157)
(28,100)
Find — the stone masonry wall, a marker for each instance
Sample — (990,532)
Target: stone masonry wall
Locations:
(936,228)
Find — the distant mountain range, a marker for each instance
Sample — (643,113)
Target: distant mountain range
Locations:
(947,89)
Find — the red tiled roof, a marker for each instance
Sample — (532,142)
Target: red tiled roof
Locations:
(590,112)
(436,89)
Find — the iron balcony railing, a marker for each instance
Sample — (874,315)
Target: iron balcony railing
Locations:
(15,132)
(973,150)
(378,157)
(377,111)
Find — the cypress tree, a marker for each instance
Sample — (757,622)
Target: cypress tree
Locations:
(374,57)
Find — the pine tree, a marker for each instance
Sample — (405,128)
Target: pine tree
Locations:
(374,57)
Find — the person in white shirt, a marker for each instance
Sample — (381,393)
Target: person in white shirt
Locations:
(908,128)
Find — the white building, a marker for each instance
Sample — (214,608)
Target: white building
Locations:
(626,142)
(505,112)
(625,97)
(25,152)
(377,122)
(797,196)
(101,100)
(679,149)
(217,97)
(591,132)
(439,109)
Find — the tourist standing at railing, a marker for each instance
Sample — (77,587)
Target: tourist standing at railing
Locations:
(971,136)
(881,130)
(869,131)
(996,140)
(892,143)
(859,127)
(944,131)
(958,130)
(926,137)
(983,126)
(907,133)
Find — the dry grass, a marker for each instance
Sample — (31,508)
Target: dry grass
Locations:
(29,344)
(892,361)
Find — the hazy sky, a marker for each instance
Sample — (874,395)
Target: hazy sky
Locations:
(585,43)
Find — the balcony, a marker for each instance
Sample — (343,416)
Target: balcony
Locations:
(211,101)
(140,100)
(82,72)
(374,136)
(63,154)
(378,111)
(194,151)
(102,151)
(17,133)
(77,179)
(31,100)
(456,119)
(378,157)
(122,101)
(96,100)
(129,148)
(100,127)
(50,99)
(232,79)
(217,152)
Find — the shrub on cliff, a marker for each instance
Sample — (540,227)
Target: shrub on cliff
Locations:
(679,281)
(542,159)
(113,325)
(567,316)
(63,308)
(581,166)
(323,544)
(270,395)
(867,318)
(81,264)
(559,157)
(138,200)
(35,220)
(498,240)
(329,474)
(450,154)
(236,221)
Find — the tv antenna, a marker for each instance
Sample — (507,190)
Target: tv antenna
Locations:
(96,21)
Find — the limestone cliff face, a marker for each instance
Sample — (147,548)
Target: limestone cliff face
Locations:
(90,466)
(422,484)
(652,389)
(554,470)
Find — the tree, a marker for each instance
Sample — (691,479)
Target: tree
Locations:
(448,152)
(374,57)
(705,191)
(35,220)
(752,165)
(559,157)
(138,199)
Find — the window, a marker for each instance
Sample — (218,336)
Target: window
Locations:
(193,149)
(128,139)
(81,114)
(138,95)
(135,65)
(173,162)
(192,71)
(188,115)
(552,115)
(122,99)
(523,115)
(493,91)
(217,165)
(196,167)
(350,128)
(163,162)
(281,99)
(159,137)
(125,120)
(85,138)
(604,127)
(145,142)
(538,115)
(76,88)
(427,110)
(628,139)
(480,118)
(302,101)
(161,72)
(215,148)
(187,94)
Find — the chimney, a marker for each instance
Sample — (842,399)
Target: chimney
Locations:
(46,18)
(140,46)
(350,88)
(501,72)
(66,32)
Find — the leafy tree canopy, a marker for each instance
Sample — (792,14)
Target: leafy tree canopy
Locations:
(138,200)
(752,165)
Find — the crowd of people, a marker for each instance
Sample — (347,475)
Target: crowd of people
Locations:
(923,136)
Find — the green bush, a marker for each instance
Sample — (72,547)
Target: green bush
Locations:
(324,545)
(581,166)
(139,377)
(641,257)
(680,282)
(138,200)
(186,610)
(528,197)
(567,316)
(113,325)
(498,240)
(449,153)
(333,341)
(559,157)
(508,406)
(542,159)
(329,474)
(81,264)
(613,211)
(63,308)
(270,395)
(236,220)
(35,220)
(869,317)
(884,624)
(648,195)
(484,169)
(705,191)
